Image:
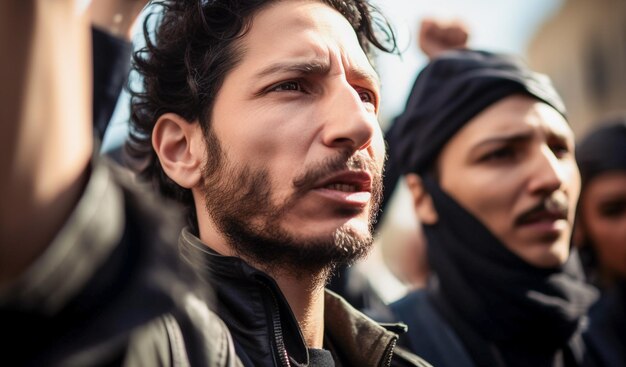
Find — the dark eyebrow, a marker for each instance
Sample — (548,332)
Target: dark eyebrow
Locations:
(309,67)
(506,138)
(364,75)
(317,68)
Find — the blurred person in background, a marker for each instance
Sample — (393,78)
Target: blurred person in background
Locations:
(489,159)
(89,272)
(601,235)
(112,26)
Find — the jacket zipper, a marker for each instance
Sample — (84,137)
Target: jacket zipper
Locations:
(278,332)
(389,353)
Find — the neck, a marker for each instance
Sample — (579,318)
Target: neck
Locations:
(305,296)
(303,289)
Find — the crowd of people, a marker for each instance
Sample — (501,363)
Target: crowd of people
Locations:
(254,176)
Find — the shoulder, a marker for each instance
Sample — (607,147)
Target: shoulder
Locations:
(352,332)
(605,336)
(183,330)
(415,309)
(189,338)
(429,335)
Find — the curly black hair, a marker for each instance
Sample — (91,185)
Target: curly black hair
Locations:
(184,65)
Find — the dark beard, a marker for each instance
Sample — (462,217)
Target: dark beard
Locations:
(238,199)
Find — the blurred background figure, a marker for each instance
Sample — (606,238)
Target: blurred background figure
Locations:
(601,234)
(112,28)
(489,159)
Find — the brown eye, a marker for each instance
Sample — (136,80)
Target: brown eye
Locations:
(287,86)
(613,209)
(559,147)
(366,96)
(560,150)
(501,154)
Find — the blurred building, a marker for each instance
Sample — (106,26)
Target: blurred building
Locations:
(583,49)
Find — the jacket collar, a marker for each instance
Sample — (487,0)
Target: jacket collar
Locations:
(262,323)
(360,340)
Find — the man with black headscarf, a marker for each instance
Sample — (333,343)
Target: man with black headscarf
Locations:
(489,159)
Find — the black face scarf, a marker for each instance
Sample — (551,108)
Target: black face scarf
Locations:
(495,300)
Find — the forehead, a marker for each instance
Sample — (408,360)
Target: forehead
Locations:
(606,186)
(302,30)
(514,115)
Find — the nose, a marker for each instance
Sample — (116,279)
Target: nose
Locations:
(347,122)
(549,173)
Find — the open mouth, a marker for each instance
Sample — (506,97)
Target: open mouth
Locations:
(346,188)
(348,181)
(342,187)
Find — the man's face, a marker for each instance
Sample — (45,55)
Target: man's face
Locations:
(513,168)
(297,153)
(603,220)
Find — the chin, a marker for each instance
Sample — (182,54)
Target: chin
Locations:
(552,257)
(358,226)
(321,229)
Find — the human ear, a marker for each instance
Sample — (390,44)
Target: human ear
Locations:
(422,201)
(179,145)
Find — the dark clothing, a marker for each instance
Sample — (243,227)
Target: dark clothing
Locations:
(109,290)
(602,150)
(434,339)
(606,335)
(504,311)
(265,331)
(429,335)
(111,62)
(353,286)
(321,358)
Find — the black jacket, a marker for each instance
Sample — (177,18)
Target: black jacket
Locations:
(109,290)
(429,335)
(606,335)
(265,331)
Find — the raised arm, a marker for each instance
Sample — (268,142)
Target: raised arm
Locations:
(45,123)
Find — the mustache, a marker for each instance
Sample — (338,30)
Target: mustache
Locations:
(331,165)
(556,204)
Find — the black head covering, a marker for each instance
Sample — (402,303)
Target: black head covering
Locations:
(603,149)
(449,92)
